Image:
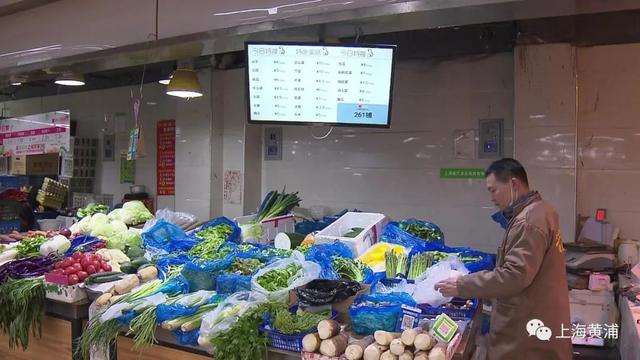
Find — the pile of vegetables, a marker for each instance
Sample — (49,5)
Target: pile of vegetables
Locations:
(99,225)
(245,266)
(22,306)
(212,238)
(242,340)
(277,204)
(422,231)
(301,322)
(91,209)
(278,279)
(349,269)
(374,257)
(30,247)
(419,264)
(79,266)
(132,213)
(26,268)
(395,264)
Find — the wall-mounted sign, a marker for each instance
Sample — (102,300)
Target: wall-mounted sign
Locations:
(36,134)
(166,157)
(461,173)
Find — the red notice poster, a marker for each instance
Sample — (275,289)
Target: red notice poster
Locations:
(166,157)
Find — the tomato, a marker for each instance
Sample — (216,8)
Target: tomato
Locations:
(85,263)
(82,275)
(70,270)
(97,257)
(88,256)
(58,265)
(73,279)
(78,267)
(101,270)
(106,267)
(77,255)
(90,269)
(96,264)
(58,271)
(67,262)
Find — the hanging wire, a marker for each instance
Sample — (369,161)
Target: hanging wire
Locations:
(320,137)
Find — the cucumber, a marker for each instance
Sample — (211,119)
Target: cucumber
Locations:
(127,268)
(137,262)
(105,277)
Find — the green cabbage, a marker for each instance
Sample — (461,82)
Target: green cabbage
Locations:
(124,240)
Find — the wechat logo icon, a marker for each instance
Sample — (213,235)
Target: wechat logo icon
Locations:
(536,328)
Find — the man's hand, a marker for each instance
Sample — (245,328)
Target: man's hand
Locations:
(448,287)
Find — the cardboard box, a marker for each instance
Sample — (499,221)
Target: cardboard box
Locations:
(56,287)
(44,164)
(342,307)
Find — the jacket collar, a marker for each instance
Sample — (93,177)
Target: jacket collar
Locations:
(517,207)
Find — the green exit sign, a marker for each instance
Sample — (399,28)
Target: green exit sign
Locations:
(461,173)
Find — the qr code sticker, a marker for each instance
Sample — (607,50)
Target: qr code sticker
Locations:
(408,322)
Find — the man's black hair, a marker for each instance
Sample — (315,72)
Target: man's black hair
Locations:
(507,168)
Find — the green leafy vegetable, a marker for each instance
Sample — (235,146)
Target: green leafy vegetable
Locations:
(353,232)
(90,209)
(278,279)
(349,269)
(245,266)
(425,232)
(243,340)
(22,306)
(212,238)
(287,323)
(30,247)
(277,204)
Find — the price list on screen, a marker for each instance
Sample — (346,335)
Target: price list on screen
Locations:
(327,84)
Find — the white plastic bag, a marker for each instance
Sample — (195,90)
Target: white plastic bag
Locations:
(180,219)
(309,271)
(402,286)
(227,313)
(118,310)
(197,298)
(425,293)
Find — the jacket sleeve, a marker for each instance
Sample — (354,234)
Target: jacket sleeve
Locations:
(525,250)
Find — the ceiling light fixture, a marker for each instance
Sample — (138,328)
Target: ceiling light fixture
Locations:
(167,80)
(70,79)
(184,84)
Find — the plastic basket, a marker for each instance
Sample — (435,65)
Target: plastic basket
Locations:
(292,342)
(9,182)
(9,226)
(430,311)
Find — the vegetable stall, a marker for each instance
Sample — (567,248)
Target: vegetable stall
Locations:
(222,289)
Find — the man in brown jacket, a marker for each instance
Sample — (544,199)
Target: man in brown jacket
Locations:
(529,281)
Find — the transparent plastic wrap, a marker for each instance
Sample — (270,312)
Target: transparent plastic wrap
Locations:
(227,313)
(308,271)
(425,292)
(370,313)
(180,219)
(395,233)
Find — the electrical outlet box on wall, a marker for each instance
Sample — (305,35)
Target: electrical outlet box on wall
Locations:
(491,138)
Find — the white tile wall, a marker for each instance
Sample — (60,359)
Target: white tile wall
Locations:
(609,134)
(545,125)
(396,171)
(193,165)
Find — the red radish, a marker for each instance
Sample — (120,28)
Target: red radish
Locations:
(73,279)
(106,267)
(77,255)
(82,275)
(90,269)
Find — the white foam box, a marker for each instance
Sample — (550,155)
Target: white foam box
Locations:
(372,223)
(271,227)
(592,307)
(57,288)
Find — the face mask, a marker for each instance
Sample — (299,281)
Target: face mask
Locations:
(501,220)
(512,191)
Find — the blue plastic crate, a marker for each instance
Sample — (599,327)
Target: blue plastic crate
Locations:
(8,226)
(9,182)
(293,342)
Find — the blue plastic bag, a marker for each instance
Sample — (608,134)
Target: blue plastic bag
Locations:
(394,234)
(188,337)
(82,242)
(323,255)
(166,312)
(126,318)
(164,262)
(232,283)
(201,275)
(168,237)
(233,237)
(487,261)
(378,312)
(176,285)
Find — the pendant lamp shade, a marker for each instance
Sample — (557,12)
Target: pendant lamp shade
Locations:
(184,84)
